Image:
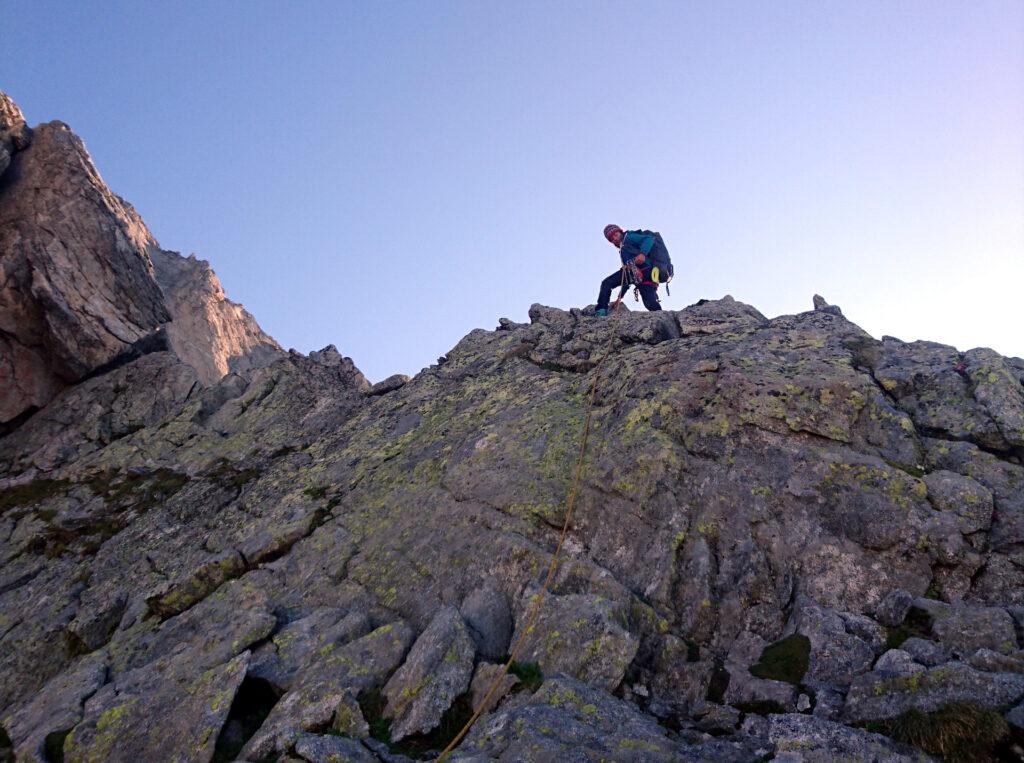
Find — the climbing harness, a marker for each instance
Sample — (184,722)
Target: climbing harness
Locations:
(632,274)
(570,506)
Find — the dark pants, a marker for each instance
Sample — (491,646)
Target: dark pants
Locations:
(648,292)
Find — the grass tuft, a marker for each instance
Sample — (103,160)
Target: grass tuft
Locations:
(958,732)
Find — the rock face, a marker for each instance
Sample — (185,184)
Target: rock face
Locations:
(785,528)
(14,133)
(78,281)
(209,332)
(78,288)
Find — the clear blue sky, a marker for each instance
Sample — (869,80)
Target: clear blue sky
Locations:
(387,176)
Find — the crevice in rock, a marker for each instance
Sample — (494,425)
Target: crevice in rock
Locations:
(7,427)
(155,341)
(21,580)
(9,628)
(6,747)
(976,575)
(1007,456)
(547,365)
(252,704)
(53,745)
(718,684)
(191,390)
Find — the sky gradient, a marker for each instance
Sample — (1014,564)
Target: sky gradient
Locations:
(387,176)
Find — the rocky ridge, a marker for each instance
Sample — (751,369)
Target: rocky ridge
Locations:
(789,536)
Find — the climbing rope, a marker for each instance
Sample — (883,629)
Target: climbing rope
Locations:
(570,506)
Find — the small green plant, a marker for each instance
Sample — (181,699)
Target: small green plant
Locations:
(227,475)
(918,623)
(372,703)
(141,491)
(31,493)
(317,493)
(529,673)
(957,732)
(785,660)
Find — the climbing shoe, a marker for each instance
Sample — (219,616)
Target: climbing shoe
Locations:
(601,311)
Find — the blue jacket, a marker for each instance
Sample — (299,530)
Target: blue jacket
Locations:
(633,243)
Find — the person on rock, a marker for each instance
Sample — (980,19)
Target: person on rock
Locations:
(645,264)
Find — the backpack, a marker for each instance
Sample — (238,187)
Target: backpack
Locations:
(662,271)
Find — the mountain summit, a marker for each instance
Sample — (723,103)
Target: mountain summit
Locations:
(790,537)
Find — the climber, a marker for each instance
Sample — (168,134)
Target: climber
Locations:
(645,264)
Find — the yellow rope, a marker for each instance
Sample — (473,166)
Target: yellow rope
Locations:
(532,617)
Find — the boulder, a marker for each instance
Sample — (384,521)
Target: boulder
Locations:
(816,740)
(926,652)
(965,629)
(892,610)
(486,612)
(348,718)
(302,642)
(930,382)
(483,679)
(836,655)
(970,502)
(317,748)
(570,720)
(393,382)
(436,671)
(898,662)
(748,692)
(580,635)
(1003,478)
(145,712)
(880,695)
(997,662)
(678,678)
(322,687)
(998,388)
(822,306)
